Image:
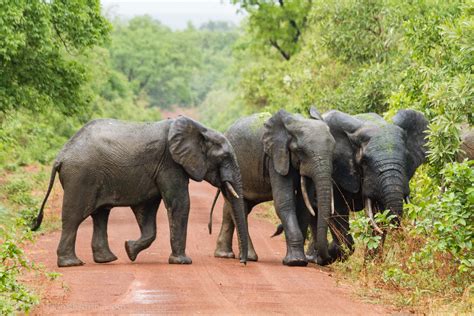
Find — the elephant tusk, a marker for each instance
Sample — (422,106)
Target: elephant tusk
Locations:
(407,199)
(370,214)
(332,201)
(231,189)
(305,196)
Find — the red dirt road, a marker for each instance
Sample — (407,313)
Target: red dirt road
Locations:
(208,286)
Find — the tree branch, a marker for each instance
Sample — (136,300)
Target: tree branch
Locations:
(63,41)
(298,32)
(282,52)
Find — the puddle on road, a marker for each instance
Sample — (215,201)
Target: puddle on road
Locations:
(137,294)
(149,296)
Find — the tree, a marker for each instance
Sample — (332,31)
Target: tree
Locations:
(277,24)
(39,41)
(156,60)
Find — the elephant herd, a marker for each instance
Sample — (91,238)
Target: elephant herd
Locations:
(315,170)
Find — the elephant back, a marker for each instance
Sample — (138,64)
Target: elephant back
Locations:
(245,136)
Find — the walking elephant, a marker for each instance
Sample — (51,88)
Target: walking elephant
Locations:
(111,163)
(279,154)
(373,163)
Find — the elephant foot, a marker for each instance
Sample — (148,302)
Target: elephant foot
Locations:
(311,258)
(251,256)
(311,254)
(324,262)
(132,253)
(183,259)
(229,254)
(69,262)
(295,262)
(295,259)
(104,256)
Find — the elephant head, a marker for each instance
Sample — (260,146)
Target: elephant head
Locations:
(377,159)
(308,145)
(206,154)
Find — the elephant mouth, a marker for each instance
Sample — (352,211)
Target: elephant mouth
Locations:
(307,201)
(230,189)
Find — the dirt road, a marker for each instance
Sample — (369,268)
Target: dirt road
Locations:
(208,286)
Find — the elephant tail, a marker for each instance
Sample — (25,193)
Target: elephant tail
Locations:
(37,222)
(209,225)
(278,231)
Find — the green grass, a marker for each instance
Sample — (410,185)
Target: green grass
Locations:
(20,196)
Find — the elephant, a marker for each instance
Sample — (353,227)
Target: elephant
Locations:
(280,153)
(373,163)
(110,163)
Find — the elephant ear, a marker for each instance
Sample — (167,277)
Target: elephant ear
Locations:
(185,140)
(275,141)
(416,126)
(314,113)
(346,172)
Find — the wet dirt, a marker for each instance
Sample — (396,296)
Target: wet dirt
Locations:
(208,286)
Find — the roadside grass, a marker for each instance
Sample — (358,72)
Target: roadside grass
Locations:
(21,192)
(427,265)
(411,273)
(394,278)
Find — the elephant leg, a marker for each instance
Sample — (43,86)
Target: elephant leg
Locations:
(145,215)
(177,204)
(100,244)
(285,205)
(224,240)
(305,219)
(303,215)
(311,253)
(72,217)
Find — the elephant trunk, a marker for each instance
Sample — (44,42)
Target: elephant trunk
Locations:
(233,192)
(321,177)
(392,193)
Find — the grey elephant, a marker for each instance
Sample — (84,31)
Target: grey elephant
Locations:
(110,163)
(280,154)
(373,163)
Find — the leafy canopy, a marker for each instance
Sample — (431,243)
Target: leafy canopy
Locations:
(38,42)
(276,24)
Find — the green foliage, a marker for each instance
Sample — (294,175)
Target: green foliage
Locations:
(362,230)
(37,39)
(210,111)
(276,24)
(14,296)
(171,67)
(450,219)
(25,143)
(16,215)
(361,31)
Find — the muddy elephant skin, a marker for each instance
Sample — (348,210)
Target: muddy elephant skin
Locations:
(111,163)
(373,163)
(281,157)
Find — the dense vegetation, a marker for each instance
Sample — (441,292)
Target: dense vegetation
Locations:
(62,64)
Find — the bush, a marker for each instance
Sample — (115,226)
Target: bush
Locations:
(14,295)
